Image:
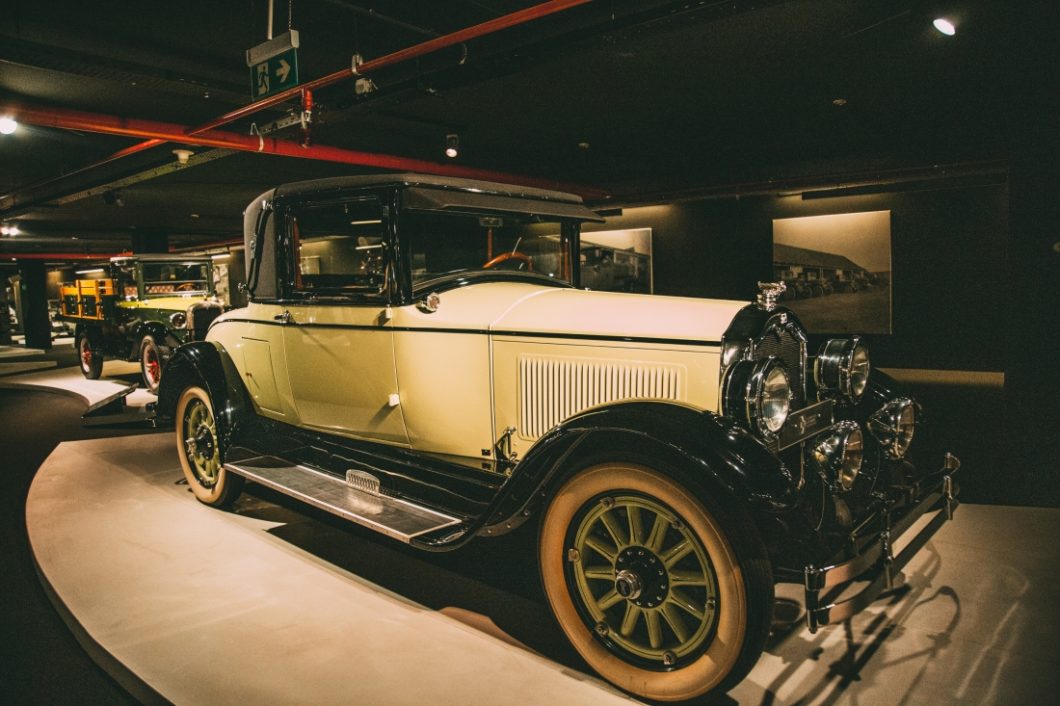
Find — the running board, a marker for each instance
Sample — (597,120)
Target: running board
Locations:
(352,500)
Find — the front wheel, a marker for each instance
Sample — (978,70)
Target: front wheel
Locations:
(150,364)
(662,596)
(199,447)
(91,361)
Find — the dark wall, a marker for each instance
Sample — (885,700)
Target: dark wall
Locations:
(948,252)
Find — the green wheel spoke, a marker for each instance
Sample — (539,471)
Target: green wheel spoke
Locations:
(602,549)
(614,529)
(673,618)
(609,599)
(687,578)
(629,623)
(654,629)
(677,552)
(604,573)
(658,534)
(682,601)
(636,529)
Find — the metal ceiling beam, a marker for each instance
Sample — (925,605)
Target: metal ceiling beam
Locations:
(21,196)
(171,132)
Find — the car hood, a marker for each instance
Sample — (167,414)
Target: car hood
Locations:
(614,314)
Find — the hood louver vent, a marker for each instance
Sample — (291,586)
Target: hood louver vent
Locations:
(553,389)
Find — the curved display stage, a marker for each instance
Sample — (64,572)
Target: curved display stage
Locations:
(273,604)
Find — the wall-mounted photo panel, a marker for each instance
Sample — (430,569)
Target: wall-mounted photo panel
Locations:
(837,269)
(617,260)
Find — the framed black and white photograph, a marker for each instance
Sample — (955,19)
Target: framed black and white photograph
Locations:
(837,269)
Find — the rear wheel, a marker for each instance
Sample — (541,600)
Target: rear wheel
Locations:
(199,447)
(91,361)
(662,596)
(150,364)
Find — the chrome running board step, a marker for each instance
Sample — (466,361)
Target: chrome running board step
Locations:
(353,500)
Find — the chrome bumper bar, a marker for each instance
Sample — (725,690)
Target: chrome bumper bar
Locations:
(877,564)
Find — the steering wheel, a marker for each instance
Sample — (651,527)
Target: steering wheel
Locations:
(523,259)
(186,287)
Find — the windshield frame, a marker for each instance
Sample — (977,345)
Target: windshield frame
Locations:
(570,230)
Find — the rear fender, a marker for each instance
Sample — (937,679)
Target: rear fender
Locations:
(209,366)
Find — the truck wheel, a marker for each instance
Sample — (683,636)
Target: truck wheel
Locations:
(91,361)
(662,594)
(199,449)
(150,364)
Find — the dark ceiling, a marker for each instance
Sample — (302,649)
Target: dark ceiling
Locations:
(646,101)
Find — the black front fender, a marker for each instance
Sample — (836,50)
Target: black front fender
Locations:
(209,366)
(708,452)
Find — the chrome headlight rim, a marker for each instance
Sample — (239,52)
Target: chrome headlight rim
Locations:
(840,454)
(179,319)
(894,426)
(843,366)
(747,395)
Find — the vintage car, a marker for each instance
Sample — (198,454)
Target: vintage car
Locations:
(417,358)
(141,308)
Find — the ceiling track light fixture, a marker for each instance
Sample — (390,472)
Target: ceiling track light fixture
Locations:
(945,26)
(452,145)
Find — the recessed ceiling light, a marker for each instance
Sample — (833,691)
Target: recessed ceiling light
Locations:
(839,102)
(194,215)
(945,26)
(7,125)
(452,145)
(583,145)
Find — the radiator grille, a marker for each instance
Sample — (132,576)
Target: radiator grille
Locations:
(201,318)
(554,389)
(783,345)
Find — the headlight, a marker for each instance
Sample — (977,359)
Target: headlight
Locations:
(843,366)
(178,319)
(894,426)
(839,454)
(758,391)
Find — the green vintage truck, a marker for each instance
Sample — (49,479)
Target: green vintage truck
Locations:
(139,307)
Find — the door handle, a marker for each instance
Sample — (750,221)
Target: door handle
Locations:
(284,318)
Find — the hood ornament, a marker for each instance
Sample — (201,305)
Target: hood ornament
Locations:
(768,293)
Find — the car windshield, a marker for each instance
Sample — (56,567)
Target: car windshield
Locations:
(443,244)
(164,278)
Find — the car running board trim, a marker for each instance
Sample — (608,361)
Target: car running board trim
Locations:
(396,518)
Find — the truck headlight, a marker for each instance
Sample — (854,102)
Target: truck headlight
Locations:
(843,366)
(894,426)
(840,453)
(760,392)
(178,319)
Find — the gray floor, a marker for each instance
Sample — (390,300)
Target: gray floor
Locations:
(171,588)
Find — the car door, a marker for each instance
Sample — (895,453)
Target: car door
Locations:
(337,337)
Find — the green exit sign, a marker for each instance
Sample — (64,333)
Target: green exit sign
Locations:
(275,74)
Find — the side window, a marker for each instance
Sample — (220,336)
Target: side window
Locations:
(339,248)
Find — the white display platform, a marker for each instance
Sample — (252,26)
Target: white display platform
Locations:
(70,381)
(205,606)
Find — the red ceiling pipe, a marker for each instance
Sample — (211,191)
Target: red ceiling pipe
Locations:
(171,132)
(432,45)
(507,21)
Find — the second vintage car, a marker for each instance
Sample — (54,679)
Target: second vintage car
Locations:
(139,308)
(417,357)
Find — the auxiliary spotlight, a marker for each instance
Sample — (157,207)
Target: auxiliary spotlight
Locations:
(452,145)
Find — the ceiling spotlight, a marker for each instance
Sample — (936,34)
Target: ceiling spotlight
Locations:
(7,125)
(114,197)
(9,229)
(945,26)
(183,156)
(452,145)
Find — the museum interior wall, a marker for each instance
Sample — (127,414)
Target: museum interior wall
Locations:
(951,300)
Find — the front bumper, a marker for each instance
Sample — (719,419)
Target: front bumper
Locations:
(829,590)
